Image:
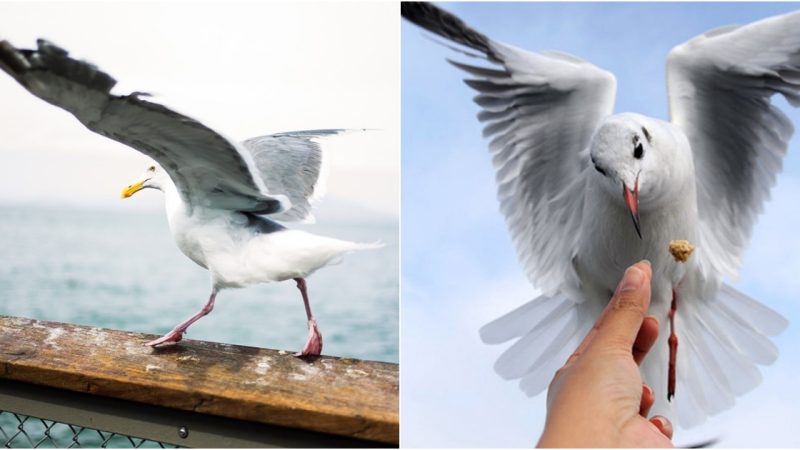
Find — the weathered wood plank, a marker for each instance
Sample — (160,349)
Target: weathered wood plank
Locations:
(332,395)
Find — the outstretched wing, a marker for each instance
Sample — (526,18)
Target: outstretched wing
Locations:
(720,85)
(292,164)
(207,169)
(540,109)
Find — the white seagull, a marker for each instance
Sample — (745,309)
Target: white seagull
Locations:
(571,175)
(217,192)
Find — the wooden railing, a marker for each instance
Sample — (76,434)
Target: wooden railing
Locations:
(352,402)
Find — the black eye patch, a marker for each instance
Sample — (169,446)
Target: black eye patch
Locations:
(647,135)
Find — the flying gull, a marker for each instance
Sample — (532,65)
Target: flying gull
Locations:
(586,193)
(223,199)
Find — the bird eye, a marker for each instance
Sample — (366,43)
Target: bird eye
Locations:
(151,168)
(638,151)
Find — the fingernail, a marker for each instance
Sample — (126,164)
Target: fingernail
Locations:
(660,421)
(647,262)
(631,281)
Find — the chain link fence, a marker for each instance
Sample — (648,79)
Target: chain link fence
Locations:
(34,416)
(20,431)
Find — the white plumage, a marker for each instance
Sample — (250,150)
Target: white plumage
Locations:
(240,250)
(570,176)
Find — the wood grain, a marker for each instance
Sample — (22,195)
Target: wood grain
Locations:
(327,394)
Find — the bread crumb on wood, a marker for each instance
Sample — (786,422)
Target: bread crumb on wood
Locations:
(681,249)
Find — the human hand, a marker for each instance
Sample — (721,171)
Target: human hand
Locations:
(598,399)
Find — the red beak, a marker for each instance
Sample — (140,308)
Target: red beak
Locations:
(632,201)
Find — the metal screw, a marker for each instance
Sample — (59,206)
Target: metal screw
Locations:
(183,432)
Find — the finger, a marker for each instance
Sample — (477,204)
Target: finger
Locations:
(663,424)
(648,333)
(586,341)
(648,398)
(620,322)
(581,348)
(643,346)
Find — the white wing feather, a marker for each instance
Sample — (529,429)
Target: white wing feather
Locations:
(720,85)
(720,88)
(293,164)
(208,169)
(540,111)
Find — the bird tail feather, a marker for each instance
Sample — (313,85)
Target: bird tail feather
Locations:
(548,328)
(348,247)
(366,245)
(721,344)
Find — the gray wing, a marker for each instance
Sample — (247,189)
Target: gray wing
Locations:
(207,169)
(292,164)
(540,111)
(720,85)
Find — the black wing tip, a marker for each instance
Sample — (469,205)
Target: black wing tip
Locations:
(50,57)
(445,24)
(412,11)
(12,61)
(704,444)
(48,47)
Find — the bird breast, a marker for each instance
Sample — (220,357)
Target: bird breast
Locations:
(611,244)
(199,233)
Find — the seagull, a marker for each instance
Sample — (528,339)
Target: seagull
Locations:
(223,199)
(586,193)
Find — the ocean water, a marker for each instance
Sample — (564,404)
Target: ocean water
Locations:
(122,270)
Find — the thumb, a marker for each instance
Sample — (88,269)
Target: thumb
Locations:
(620,322)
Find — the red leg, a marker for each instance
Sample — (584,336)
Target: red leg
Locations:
(313,345)
(673,348)
(177,333)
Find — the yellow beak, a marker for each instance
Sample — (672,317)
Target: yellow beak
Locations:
(132,189)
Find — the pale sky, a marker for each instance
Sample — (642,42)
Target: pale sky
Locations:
(245,69)
(459,268)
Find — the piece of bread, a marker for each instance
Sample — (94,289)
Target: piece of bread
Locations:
(681,249)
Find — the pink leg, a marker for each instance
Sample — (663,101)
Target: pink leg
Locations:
(313,345)
(177,333)
(673,347)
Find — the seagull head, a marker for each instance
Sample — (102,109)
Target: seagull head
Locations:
(153,178)
(635,156)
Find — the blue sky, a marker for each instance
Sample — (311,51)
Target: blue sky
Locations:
(459,269)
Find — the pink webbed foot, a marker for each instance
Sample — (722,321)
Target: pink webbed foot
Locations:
(169,338)
(313,345)
(177,333)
